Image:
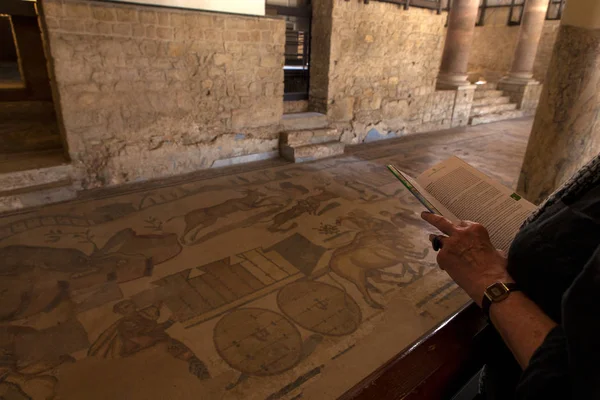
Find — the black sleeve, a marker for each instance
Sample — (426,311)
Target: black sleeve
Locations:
(567,364)
(547,375)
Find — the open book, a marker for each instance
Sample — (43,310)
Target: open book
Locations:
(458,191)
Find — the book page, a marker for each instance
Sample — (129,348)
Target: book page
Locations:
(471,195)
(421,194)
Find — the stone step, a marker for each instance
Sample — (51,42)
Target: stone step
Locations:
(29,180)
(492,109)
(299,138)
(481,93)
(27,126)
(487,86)
(311,152)
(501,116)
(27,110)
(486,101)
(304,120)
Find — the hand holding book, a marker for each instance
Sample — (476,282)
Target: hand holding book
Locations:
(468,256)
(460,192)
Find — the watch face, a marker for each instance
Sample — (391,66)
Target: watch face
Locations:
(497,292)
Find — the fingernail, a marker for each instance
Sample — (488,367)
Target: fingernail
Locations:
(425,213)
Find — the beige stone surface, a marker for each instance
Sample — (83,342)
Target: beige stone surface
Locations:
(374,66)
(150,92)
(583,13)
(295,106)
(494,46)
(309,136)
(566,132)
(312,152)
(463,104)
(544,51)
(259,281)
(499,116)
(525,95)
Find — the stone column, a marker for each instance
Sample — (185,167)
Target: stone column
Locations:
(519,83)
(459,37)
(566,131)
(530,32)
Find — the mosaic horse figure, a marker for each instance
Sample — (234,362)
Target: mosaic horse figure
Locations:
(378,245)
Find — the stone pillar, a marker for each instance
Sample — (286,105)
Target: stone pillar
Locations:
(530,32)
(459,37)
(566,131)
(519,83)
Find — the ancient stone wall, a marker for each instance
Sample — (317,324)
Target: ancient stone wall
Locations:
(382,70)
(544,53)
(147,92)
(494,46)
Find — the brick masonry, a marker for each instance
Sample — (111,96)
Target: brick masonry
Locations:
(376,69)
(147,92)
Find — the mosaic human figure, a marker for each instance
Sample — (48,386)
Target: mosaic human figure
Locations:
(138,330)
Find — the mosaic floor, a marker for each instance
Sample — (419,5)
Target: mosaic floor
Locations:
(270,281)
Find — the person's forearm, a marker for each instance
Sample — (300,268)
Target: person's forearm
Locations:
(522,325)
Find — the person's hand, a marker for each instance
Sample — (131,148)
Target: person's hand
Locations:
(468,256)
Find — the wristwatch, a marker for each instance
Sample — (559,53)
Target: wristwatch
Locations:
(495,293)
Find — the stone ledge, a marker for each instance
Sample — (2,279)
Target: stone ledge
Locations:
(305,120)
(487,118)
(245,159)
(492,108)
(480,94)
(487,101)
(44,183)
(299,138)
(312,152)
(37,196)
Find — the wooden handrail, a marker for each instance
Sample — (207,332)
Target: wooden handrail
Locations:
(437,366)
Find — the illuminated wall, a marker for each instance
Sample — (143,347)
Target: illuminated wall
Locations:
(253,7)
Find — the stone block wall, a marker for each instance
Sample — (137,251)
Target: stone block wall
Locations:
(494,46)
(148,92)
(381,69)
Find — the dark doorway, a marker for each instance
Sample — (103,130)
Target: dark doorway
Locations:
(297,14)
(29,131)
(10,76)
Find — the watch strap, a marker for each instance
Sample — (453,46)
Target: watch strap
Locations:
(486,303)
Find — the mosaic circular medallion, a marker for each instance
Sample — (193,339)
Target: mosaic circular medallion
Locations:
(320,307)
(258,341)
